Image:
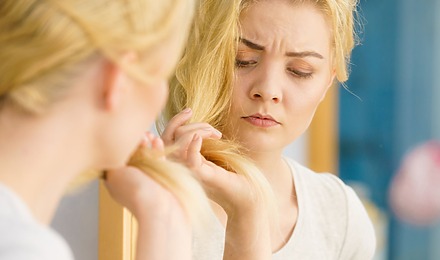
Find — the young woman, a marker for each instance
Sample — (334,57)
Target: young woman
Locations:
(252,76)
(80,83)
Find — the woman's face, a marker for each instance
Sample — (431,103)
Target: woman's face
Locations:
(284,70)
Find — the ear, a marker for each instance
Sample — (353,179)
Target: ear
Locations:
(115,81)
(330,83)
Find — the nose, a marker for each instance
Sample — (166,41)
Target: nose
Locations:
(267,86)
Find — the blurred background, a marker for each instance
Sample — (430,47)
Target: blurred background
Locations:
(396,75)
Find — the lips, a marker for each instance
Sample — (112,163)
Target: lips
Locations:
(261,120)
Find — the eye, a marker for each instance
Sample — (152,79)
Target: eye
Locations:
(300,74)
(244,63)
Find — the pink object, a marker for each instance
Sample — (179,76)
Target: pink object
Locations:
(415,190)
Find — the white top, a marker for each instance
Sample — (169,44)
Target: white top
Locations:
(332,223)
(22,237)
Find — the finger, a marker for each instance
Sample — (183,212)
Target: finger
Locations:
(184,141)
(150,136)
(146,140)
(214,177)
(204,133)
(175,122)
(194,158)
(193,127)
(158,145)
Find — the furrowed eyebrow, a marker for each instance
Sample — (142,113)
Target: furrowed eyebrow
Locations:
(301,54)
(252,45)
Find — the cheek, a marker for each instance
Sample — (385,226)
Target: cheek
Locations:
(154,99)
(311,103)
(304,100)
(243,83)
(162,94)
(315,91)
(237,100)
(238,95)
(236,109)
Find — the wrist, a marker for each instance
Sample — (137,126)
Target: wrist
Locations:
(248,230)
(247,239)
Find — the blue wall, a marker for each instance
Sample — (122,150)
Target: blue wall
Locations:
(392,73)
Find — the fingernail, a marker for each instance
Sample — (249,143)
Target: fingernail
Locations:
(187,110)
(217,132)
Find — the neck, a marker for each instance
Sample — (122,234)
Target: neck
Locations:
(268,161)
(38,163)
(273,166)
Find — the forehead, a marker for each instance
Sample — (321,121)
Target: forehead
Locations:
(297,26)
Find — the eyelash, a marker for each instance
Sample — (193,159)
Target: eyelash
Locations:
(296,73)
(303,75)
(244,63)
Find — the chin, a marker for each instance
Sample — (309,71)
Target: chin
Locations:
(256,143)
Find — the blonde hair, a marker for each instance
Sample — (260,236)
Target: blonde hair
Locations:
(203,81)
(342,16)
(204,77)
(46,43)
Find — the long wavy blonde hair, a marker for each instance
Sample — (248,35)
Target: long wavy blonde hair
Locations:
(204,77)
(45,43)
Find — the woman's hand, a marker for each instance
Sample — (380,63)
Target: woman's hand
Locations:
(231,191)
(181,134)
(247,231)
(164,232)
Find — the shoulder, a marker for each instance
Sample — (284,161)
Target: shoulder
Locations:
(336,203)
(360,239)
(24,238)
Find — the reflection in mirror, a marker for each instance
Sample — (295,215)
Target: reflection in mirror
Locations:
(249,84)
